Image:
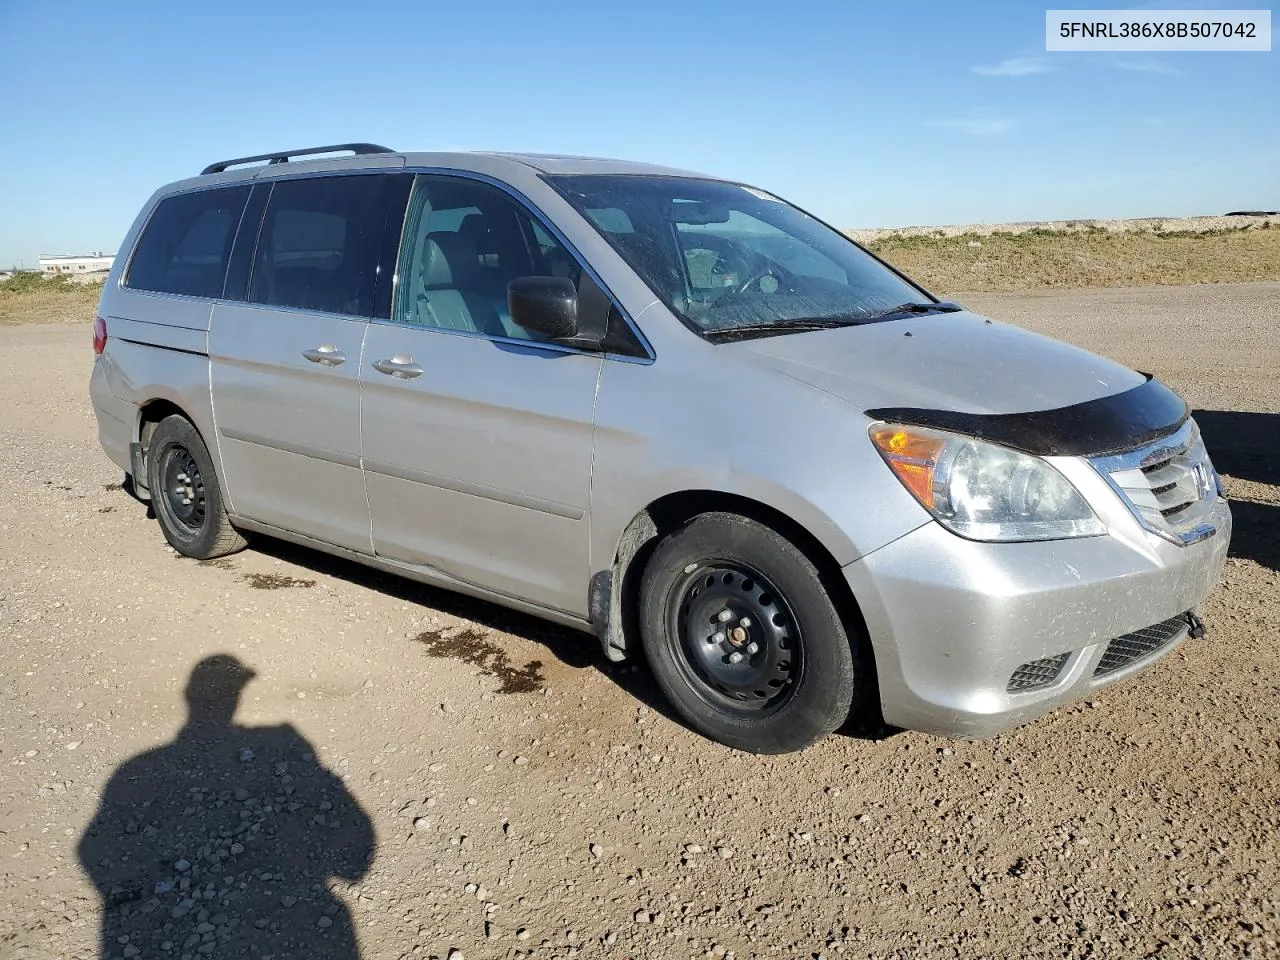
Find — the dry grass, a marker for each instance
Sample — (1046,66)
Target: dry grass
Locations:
(1038,259)
(31,298)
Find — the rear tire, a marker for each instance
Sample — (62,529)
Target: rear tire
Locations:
(186,494)
(743,638)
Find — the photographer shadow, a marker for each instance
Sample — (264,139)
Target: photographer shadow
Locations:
(226,841)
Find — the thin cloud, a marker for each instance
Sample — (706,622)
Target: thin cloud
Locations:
(1147,65)
(975,126)
(1014,67)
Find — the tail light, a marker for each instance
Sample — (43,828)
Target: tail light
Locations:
(99,334)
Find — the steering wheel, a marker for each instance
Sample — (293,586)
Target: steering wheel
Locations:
(757,277)
(733,260)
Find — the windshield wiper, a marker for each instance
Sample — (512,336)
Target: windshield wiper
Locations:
(917,309)
(749,330)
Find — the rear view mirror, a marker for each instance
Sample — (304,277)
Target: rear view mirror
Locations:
(700,213)
(545,305)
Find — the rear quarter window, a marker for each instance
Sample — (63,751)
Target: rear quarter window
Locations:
(319,245)
(186,243)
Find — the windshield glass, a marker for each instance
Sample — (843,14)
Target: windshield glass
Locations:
(724,256)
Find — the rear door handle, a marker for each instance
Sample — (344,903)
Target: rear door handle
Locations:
(326,354)
(401,365)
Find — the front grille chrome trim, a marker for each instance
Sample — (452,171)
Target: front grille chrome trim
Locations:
(1170,485)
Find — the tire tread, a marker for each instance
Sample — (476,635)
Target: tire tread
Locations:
(217,540)
(835,672)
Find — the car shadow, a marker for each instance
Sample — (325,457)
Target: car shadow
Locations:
(226,841)
(1245,445)
(573,648)
(1255,532)
(1242,443)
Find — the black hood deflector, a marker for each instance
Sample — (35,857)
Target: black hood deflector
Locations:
(1105,425)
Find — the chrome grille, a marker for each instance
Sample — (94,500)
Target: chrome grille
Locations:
(1037,673)
(1124,650)
(1170,485)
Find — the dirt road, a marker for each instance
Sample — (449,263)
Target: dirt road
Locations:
(412,774)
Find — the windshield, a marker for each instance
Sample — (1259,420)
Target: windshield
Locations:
(724,256)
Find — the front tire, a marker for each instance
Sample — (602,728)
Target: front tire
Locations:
(742,637)
(186,494)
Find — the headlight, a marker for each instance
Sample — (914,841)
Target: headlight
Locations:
(983,491)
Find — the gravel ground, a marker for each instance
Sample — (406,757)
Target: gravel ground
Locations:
(412,774)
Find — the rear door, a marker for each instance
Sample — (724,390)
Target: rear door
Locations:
(477,437)
(285,361)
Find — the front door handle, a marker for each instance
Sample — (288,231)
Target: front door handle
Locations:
(326,354)
(401,365)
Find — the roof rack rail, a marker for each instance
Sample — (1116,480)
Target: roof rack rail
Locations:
(286,155)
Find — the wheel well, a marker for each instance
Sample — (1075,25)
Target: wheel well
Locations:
(671,512)
(152,413)
(149,417)
(675,510)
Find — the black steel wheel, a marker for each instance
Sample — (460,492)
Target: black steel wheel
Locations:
(740,645)
(743,638)
(186,494)
(183,489)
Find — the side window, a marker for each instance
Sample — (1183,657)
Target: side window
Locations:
(185,245)
(320,244)
(463,243)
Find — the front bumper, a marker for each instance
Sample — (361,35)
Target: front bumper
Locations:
(951,620)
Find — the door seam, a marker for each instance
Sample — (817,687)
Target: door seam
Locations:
(216,439)
(364,477)
(591,474)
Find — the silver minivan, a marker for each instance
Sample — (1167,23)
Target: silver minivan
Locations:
(673,411)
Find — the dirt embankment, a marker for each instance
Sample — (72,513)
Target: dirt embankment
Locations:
(1076,254)
(34,298)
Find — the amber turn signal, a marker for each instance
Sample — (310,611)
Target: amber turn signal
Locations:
(912,456)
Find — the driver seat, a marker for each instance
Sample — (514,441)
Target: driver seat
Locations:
(448,287)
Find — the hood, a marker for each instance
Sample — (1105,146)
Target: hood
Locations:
(954,361)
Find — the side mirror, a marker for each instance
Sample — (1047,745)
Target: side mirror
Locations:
(545,305)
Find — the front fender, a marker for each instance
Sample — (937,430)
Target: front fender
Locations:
(701,420)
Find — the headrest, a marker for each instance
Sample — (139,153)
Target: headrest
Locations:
(448,260)
(474,227)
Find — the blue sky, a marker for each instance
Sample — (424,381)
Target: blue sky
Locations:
(869,114)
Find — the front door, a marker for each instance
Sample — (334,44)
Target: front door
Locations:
(477,436)
(284,364)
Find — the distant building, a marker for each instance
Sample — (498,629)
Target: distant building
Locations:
(97,262)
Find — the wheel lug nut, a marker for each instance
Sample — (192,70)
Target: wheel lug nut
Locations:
(724,616)
(735,657)
(753,648)
(744,622)
(717,637)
